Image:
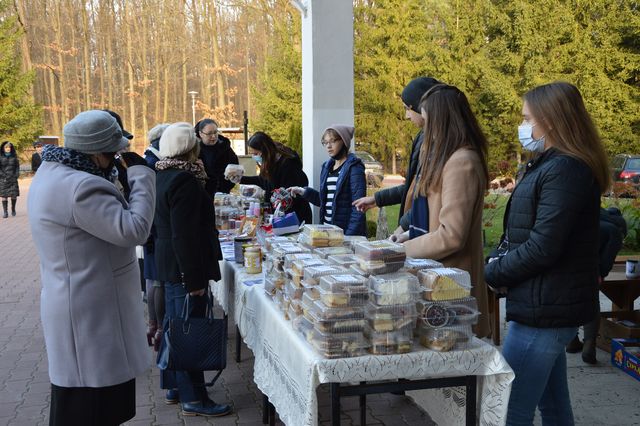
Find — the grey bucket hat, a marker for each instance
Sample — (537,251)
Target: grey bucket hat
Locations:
(93,132)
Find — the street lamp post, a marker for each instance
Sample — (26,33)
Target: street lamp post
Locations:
(193,106)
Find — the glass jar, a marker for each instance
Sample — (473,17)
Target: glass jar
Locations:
(253,260)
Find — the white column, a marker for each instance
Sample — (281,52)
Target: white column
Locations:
(327,77)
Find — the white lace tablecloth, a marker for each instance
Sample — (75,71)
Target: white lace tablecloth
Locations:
(288,370)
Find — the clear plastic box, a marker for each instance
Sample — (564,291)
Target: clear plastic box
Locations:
(336,320)
(391,317)
(412,265)
(339,282)
(389,342)
(312,274)
(347,296)
(351,240)
(299,265)
(345,260)
(447,313)
(295,309)
(283,249)
(303,326)
(321,235)
(293,291)
(444,283)
(270,286)
(325,252)
(278,279)
(307,304)
(311,289)
(343,345)
(383,250)
(445,339)
(393,289)
(290,258)
(293,277)
(379,267)
(356,269)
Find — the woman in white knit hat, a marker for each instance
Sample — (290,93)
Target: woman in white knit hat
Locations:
(187,253)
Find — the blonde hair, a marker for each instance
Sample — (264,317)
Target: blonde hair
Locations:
(191,156)
(559,108)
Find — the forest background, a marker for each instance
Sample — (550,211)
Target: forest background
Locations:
(142,57)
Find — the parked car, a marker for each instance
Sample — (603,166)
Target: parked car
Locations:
(372,168)
(626,169)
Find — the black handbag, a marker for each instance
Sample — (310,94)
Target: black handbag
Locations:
(195,344)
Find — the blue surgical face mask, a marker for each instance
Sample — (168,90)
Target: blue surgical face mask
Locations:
(257,158)
(525,134)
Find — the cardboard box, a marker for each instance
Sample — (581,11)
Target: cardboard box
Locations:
(618,325)
(625,354)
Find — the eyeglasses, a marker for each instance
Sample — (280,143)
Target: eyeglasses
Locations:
(330,142)
(214,133)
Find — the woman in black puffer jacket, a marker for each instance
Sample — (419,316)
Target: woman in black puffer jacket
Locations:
(548,259)
(9,172)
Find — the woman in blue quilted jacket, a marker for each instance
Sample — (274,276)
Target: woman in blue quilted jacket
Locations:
(342,181)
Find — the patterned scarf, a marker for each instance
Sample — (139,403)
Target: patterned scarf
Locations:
(196,168)
(74,159)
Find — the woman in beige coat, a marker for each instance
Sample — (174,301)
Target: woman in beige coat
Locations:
(446,215)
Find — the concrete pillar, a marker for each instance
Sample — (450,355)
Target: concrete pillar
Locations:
(327,76)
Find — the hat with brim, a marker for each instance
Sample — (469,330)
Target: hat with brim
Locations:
(94,132)
(115,115)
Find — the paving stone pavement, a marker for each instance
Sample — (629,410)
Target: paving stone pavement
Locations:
(601,395)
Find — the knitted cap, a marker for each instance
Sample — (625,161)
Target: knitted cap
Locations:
(412,92)
(94,132)
(177,139)
(345,132)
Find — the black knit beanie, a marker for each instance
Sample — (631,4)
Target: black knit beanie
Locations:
(412,92)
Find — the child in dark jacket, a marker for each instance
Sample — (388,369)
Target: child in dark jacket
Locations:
(342,181)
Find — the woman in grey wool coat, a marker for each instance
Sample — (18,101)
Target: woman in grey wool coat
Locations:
(85,233)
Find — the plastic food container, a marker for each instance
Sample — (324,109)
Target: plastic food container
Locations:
(325,252)
(306,304)
(270,286)
(393,289)
(445,339)
(311,289)
(300,265)
(336,320)
(445,283)
(335,283)
(379,267)
(293,277)
(356,269)
(270,241)
(389,342)
(351,240)
(345,260)
(412,265)
(321,235)
(295,309)
(391,317)
(303,326)
(447,313)
(347,296)
(277,279)
(312,274)
(293,291)
(344,345)
(290,258)
(383,250)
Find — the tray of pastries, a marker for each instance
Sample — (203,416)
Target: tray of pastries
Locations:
(444,283)
(390,317)
(321,235)
(444,339)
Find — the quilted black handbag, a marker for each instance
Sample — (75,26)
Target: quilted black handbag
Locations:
(195,344)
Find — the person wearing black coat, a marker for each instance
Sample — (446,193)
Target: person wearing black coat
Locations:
(547,263)
(342,181)
(280,167)
(216,154)
(9,172)
(401,194)
(187,252)
(36,157)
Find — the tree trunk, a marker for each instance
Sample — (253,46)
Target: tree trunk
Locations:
(54,108)
(86,40)
(217,62)
(131,72)
(61,68)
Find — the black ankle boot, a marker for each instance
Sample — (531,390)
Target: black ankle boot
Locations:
(5,207)
(574,346)
(13,207)
(589,351)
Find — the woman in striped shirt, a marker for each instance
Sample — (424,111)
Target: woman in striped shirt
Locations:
(342,181)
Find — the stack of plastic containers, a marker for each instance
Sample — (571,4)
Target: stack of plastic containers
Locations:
(446,310)
(274,267)
(391,312)
(345,260)
(380,257)
(412,265)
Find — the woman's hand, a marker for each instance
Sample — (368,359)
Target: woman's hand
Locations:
(234,173)
(129,159)
(399,237)
(295,191)
(365,203)
(197,292)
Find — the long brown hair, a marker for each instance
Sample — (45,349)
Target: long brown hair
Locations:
(262,142)
(559,108)
(449,125)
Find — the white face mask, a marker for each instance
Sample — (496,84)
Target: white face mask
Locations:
(525,134)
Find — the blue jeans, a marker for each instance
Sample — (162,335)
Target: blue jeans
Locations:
(537,357)
(190,384)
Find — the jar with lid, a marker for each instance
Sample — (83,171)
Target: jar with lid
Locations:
(253,260)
